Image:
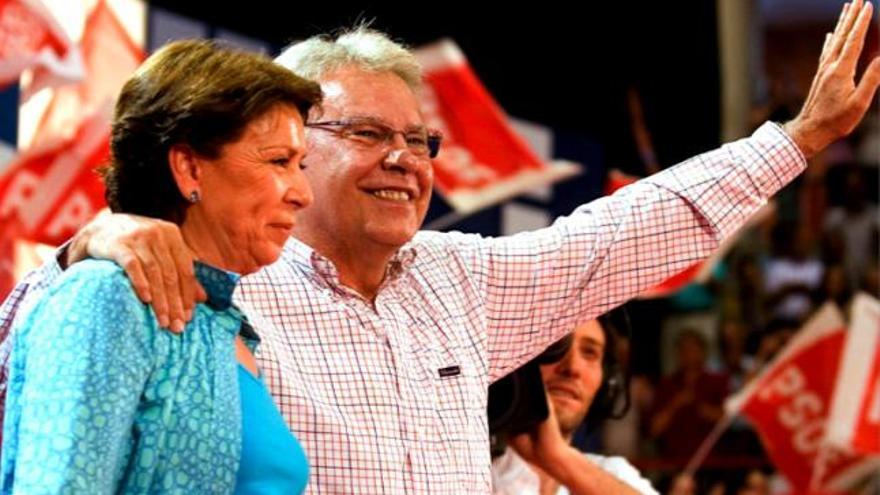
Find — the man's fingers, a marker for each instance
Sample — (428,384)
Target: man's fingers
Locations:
(170,285)
(855,40)
(823,59)
(132,266)
(840,34)
(867,87)
(153,273)
(825,46)
(841,20)
(187,294)
(156,259)
(189,286)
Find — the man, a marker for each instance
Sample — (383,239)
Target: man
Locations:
(573,384)
(689,402)
(379,342)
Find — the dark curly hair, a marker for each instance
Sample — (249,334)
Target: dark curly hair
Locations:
(198,93)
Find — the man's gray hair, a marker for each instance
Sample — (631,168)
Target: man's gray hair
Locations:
(360,47)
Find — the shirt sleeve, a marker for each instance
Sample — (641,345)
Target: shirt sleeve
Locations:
(621,469)
(538,285)
(22,295)
(76,377)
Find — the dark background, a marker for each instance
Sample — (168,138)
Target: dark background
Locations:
(565,66)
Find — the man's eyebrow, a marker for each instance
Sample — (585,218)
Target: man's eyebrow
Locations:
(592,341)
(372,119)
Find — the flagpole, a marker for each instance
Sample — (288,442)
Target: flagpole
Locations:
(708,443)
(819,469)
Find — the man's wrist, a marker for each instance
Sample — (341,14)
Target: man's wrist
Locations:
(559,464)
(75,249)
(799,133)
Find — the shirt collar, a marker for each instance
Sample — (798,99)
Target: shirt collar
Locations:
(219,284)
(301,254)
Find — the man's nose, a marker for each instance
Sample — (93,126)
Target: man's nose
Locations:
(403,160)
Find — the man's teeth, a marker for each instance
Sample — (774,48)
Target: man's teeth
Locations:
(392,194)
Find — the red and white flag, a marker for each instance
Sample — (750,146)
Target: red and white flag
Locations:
(52,188)
(854,422)
(31,39)
(482,161)
(53,191)
(789,403)
(110,58)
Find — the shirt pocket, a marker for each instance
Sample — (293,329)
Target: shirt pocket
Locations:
(448,380)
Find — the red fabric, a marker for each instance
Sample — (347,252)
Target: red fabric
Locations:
(866,324)
(789,408)
(53,192)
(110,57)
(29,38)
(52,189)
(867,433)
(10,229)
(475,123)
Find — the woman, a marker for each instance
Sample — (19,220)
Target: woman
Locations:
(101,399)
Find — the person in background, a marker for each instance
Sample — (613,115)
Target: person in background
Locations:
(583,388)
(688,402)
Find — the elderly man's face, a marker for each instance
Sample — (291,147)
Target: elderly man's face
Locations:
(366,196)
(572,382)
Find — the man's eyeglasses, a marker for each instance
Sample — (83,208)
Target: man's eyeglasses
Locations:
(371,133)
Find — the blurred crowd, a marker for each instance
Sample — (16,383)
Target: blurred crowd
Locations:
(818,243)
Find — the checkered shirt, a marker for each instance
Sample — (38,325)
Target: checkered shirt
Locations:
(389,396)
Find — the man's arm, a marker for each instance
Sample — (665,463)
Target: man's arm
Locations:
(583,477)
(24,291)
(16,303)
(535,286)
(22,294)
(546,449)
(153,254)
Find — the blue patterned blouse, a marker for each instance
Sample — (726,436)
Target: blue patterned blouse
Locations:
(101,400)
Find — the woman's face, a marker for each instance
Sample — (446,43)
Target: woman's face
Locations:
(250,194)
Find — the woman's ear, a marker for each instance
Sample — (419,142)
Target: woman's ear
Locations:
(186,170)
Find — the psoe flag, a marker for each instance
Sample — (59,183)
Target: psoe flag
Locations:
(788,403)
(854,422)
(482,161)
